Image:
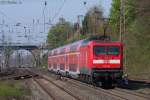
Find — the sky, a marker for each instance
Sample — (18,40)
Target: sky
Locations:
(30,16)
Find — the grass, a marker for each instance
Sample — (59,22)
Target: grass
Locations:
(10,89)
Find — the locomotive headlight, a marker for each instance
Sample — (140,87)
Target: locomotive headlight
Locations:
(114,61)
(106,61)
(98,61)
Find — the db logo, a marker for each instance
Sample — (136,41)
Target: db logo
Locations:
(106,61)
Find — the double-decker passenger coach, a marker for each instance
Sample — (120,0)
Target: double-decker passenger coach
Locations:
(95,60)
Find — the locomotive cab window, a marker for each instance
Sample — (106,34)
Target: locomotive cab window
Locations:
(113,50)
(106,50)
(98,50)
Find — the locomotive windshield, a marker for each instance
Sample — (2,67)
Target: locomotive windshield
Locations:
(106,50)
(100,50)
(113,50)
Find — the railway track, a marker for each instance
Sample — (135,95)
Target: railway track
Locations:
(55,91)
(81,94)
(18,73)
(137,94)
(96,89)
(44,88)
(117,93)
(77,84)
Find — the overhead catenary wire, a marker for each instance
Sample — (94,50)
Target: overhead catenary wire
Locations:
(85,5)
(6,16)
(51,20)
(58,12)
(43,14)
(36,23)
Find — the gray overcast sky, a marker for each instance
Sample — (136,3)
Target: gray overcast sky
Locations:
(32,9)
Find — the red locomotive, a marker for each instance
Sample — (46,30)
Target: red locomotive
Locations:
(95,60)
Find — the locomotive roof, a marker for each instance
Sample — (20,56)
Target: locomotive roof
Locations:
(75,46)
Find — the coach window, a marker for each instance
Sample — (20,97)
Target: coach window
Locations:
(49,65)
(62,51)
(55,52)
(73,67)
(73,48)
(62,66)
(55,66)
(99,50)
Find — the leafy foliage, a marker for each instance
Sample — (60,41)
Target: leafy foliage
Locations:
(130,15)
(63,32)
(93,21)
(59,33)
(115,16)
(137,37)
(130,11)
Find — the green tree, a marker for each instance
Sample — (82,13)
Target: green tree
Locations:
(138,43)
(59,33)
(114,17)
(136,38)
(93,21)
(116,13)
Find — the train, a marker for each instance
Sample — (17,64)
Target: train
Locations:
(96,60)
